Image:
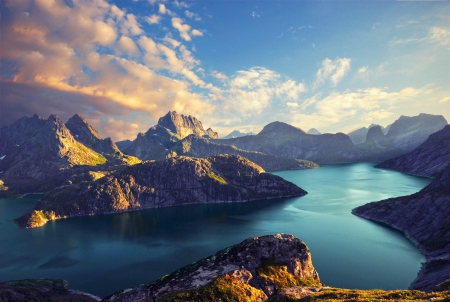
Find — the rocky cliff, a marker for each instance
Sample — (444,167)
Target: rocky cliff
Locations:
(173,182)
(429,159)
(183,126)
(423,217)
(407,132)
(253,270)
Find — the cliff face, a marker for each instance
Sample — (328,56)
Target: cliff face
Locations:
(429,159)
(407,132)
(173,182)
(253,270)
(424,217)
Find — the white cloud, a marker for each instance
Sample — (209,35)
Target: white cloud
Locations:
(219,75)
(440,35)
(332,70)
(443,100)
(127,46)
(253,90)
(196,32)
(295,105)
(192,15)
(177,23)
(153,19)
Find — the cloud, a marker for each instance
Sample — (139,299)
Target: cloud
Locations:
(332,70)
(127,46)
(443,100)
(219,75)
(153,19)
(192,15)
(183,29)
(253,90)
(440,35)
(196,32)
(295,105)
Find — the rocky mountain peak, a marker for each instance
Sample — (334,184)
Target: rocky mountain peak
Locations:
(80,127)
(183,125)
(374,133)
(313,131)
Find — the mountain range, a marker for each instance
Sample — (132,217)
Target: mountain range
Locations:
(236,133)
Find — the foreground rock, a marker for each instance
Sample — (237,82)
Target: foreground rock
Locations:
(429,159)
(41,290)
(253,270)
(423,217)
(173,182)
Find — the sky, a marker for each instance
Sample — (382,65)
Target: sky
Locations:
(330,65)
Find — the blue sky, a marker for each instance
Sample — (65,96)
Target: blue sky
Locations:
(332,65)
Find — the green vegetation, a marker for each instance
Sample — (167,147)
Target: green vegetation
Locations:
(277,273)
(339,294)
(223,289)
(217,178)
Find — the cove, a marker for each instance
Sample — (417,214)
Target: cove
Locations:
(106,253)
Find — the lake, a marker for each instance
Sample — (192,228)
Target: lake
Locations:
(103,254)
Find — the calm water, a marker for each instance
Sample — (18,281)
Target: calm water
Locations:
(106,253)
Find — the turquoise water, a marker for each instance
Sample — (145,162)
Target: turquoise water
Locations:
(106,253)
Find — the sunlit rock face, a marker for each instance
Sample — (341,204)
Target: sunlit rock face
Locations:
(253,269)
(184,125)
(172,182)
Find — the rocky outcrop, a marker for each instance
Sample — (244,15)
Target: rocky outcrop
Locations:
(429,159)
(252,270)
(423,217)
(122,145)
(183,126)
(173,182)
(407,133)
(236,133)
(41,290)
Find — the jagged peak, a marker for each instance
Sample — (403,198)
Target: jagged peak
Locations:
(79,126)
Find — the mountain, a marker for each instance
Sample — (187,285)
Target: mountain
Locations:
(285,140)
(160,142)
(424,217)
(252,270)
(183,126)
(36,149)
(200,147)
(408,133)
(236,133)
(429,159)
(173,182)
(88,136)
(358,136)
(313,131)
(123,144)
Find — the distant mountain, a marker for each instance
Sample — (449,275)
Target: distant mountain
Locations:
(408,133)
(285,140)
(428,159)
(173,182)
(160,142)
(313,131)
(182,126)
(236,133)
(358,136)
